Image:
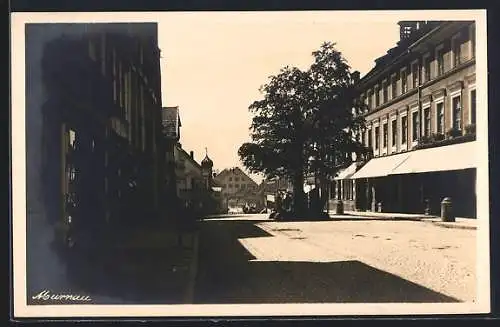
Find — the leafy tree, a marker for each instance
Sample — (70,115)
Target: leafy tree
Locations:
(304,115)
(335,123)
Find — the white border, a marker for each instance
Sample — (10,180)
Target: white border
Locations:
(19,178)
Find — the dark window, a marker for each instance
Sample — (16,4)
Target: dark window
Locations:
(440,62)
(415,125)
(427,69)
(427,122)
(370,102)
(377,137)
(404,78)
(414,72)
(377,97)
(440,117)
(404,129)
(457,51)
(394,132)
(394,87)
(473,42)
(385,134)
(384,91)
(363,138)
(457,113)
(370,139)
(473,106)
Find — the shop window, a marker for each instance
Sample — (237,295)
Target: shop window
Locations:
(377,137)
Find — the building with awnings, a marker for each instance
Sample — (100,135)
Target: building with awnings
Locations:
(420,124)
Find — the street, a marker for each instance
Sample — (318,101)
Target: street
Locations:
(250,259)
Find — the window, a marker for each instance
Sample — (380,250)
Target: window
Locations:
(384,90)
(404,129)
(370,138)
(236,179)
(394,131)
(456,51)
(394,87)
(230,185)
(427,122)
(230,179)
(414,74)
(473,106)
(362,138)
(377,97)
(415,125)
(440,62)
(385,131)
(370,102)
(473,41)
(427,68)
(377,137)
(457,113)
(404,86)
(440,118)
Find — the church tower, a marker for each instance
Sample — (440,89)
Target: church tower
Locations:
(206,169)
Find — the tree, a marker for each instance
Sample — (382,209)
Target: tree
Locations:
(304,115)
(278,131)
(335,123)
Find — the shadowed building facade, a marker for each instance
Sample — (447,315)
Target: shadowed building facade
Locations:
(421,124)
(93,135)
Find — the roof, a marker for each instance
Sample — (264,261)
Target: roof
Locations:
(402,47)
(188,156)
(234,170)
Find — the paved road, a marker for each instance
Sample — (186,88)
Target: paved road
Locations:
(249,259)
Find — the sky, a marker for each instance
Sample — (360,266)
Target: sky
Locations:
(214,63)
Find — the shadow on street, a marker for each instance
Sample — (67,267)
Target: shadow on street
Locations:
(226,275)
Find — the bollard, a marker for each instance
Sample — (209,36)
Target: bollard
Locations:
(379,207)
(427,209)
(339,208)
(447,210)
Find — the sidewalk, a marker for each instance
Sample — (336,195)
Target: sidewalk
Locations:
(152,266)
(459,223)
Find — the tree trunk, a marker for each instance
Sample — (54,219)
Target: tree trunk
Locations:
(299,203)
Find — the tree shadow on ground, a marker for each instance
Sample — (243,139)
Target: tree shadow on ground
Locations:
(226,275)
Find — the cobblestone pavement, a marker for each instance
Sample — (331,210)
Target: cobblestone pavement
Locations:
(249,259)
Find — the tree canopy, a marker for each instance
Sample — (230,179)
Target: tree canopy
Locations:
(306,121)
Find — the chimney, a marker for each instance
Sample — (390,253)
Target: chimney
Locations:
(191,154)
(355,76)
(214,175)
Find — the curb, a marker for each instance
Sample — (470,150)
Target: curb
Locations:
(425,219)
(193,271)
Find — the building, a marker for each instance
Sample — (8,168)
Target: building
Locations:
(238,190)
(269,188)
(93,125)
(420,117)
(190,182)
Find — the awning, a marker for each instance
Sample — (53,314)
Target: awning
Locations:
(347,173)
(443,158)
(381,166)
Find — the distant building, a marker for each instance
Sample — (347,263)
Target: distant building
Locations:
(238,189)
(421,118)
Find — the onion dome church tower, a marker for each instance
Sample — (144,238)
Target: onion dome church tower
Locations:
(206,169)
